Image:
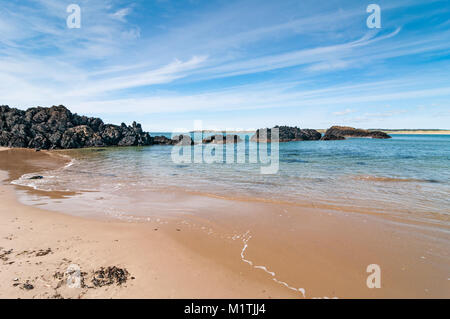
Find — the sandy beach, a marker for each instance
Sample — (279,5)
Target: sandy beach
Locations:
(161,266)
(224,150)
(310,252)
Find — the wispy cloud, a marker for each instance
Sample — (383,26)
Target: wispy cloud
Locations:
(121,14)
(235,55)
(344,112)
(165,74)
(262,96)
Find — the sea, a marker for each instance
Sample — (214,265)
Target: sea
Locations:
(407,176)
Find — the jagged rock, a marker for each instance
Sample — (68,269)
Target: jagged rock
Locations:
(380,134)
(286,134)
(111,134)
(56,127)
(162,140)
(342,132)
(222,139)
(128,140)
(176,140)
(40,117)
(181,140)
(39,142)
(80,136)
(332,137)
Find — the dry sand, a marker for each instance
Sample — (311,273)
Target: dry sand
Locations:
(281,251)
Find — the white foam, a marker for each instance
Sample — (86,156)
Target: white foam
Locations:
(42,184)
(72,161)
(246,238)
(265,269)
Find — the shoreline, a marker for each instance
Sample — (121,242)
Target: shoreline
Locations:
(160,265)
(316,252)
(150,252)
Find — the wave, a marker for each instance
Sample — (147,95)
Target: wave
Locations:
(45,183)
(392,179)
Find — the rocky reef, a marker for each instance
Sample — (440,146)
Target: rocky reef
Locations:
(222,139)
(177,140)
(57,128)
(182,140)
(286,134)
(162,140)
(342,132)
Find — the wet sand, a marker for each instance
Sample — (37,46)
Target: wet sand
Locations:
(271,251)
(151,253)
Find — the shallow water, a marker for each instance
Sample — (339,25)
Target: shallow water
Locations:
(408,176)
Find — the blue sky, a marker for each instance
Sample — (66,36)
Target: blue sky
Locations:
(231,64)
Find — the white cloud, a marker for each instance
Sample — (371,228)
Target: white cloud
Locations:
(263,97)
(328,65)
(121,14)
(165,74)
(344,112)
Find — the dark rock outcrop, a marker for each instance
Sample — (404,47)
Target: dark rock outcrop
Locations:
(177,140)
(380,134)
(286,134)
(332,137)
(342,132)
(222,139)
(57,128)
(36,177)
(182,140)
(162,140)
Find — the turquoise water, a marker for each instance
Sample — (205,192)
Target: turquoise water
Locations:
(407,175)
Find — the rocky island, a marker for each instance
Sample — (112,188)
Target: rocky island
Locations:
(222,139)
(286,134)
(342,132)
(177,140)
